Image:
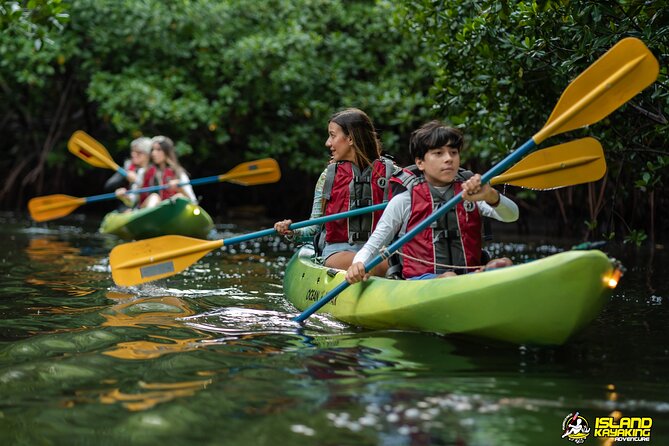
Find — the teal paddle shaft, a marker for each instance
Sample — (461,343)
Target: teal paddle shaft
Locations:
(112,195)
(305,223)
(489,175)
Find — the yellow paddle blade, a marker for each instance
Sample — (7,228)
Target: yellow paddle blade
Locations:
(575,162)
(51,207)
(612,80)
(254,172)
(157,258)
(90,150)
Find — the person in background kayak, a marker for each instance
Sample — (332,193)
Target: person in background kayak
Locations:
(357,176)
(140,150)
(453,245)
(165,169)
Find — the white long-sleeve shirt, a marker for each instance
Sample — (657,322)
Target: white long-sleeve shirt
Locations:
(396,216)
(187,189)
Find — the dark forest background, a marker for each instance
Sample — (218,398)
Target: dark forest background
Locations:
(232,81)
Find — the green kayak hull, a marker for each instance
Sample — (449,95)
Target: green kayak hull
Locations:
(171,217)
(543,302)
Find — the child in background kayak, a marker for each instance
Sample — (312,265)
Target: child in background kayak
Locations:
(357,177)
(140,150)
(453,244)
(165,170)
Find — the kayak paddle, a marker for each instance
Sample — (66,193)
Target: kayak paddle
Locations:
(608,83)
(575,162)
(90,150)
(156,258)
(250,173)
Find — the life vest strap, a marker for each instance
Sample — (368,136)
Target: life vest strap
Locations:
(448,234)
(361,202)
(362,236)
(445,266)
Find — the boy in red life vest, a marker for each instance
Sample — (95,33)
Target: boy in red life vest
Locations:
(452,245)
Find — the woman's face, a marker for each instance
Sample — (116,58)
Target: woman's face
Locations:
(340,145)
(157,154)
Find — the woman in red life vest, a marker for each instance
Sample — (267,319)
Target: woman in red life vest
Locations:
(165,170)
(452,245)
(356,177)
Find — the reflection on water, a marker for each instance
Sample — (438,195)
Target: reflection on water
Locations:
(374,354)
(161,311)
(64,269)
(153,393)
(49,249)
(212,356)
(156,313)
(161,314)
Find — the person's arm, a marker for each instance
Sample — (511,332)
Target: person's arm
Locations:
(133,199)
(505,209)
(489,200)
(187,189)
(393,219)
(308,232)
(115,181)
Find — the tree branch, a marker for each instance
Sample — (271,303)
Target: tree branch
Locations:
(660,119)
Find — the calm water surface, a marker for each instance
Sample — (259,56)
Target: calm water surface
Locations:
(211,357)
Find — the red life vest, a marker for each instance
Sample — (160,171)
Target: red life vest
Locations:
(156,177)
(454,241)
(129,166)
(346,188)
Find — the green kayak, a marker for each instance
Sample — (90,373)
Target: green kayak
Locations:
(171,217)
(542,302)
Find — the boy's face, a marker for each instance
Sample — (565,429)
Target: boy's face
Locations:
(440,165)
(139,158)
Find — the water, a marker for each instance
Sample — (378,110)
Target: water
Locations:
(211,357)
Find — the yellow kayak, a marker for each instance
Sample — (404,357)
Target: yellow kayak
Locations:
(542,302)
